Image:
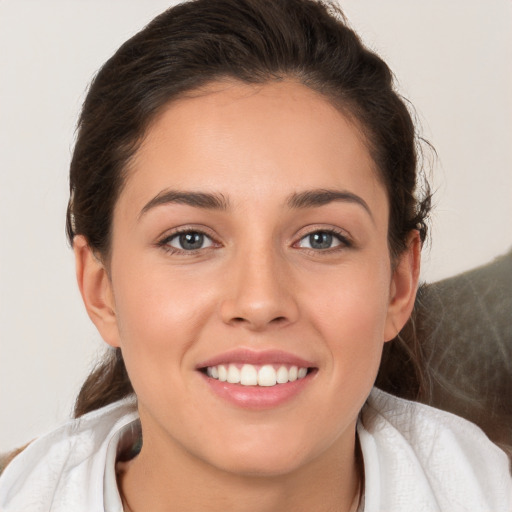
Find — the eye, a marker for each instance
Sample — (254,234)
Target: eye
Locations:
(322,240)
(189,241)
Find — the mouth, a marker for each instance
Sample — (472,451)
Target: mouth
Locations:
(266,375)
(257,380)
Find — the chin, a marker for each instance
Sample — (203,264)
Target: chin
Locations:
(264,465)
(264,456)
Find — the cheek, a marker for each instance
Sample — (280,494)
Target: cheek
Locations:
(159,315)
(350,312)
(159,319)
(154,301)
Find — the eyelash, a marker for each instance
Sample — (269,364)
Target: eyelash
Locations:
(345,242)
(164,243)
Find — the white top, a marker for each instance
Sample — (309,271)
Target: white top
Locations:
(415,458)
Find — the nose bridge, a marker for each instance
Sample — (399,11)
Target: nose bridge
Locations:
(259,293)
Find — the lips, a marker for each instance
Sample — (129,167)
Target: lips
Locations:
(251,379)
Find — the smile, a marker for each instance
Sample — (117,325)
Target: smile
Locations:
(257,380)
(256,375)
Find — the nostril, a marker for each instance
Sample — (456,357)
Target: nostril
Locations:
(278,320)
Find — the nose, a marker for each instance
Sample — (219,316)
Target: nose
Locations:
(259,292)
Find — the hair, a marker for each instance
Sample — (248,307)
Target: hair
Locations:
(253,41)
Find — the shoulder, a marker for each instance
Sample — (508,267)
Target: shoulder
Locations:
(415,452)
(67,465)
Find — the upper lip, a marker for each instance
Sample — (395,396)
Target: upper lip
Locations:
(256,357)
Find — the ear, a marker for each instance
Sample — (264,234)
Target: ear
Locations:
(96,289)
(404,284)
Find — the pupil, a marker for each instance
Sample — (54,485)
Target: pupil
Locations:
(191,241)
(320,240)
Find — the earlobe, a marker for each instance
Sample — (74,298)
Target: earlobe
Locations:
(404,284)
(96,290)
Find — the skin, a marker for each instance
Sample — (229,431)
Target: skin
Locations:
(258,286)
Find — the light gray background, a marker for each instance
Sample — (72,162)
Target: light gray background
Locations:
(453,61)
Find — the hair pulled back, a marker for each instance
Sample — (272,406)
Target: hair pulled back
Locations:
(253,41)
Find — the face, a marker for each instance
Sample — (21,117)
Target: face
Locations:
(250,243)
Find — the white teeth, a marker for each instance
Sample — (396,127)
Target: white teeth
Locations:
(282,375)
(267,376)
(250,375)
(223,373)
(233,374)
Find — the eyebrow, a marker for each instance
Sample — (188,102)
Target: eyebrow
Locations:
(197,199)
(321,197)
(298,200)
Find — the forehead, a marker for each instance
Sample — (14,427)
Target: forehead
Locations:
(252,141)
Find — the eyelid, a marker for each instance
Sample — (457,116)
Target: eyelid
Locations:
(177,236)
(344,238)
(164,239)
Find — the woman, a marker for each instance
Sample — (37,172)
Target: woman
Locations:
(247,237)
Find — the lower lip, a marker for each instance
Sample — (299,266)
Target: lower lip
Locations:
(258,397)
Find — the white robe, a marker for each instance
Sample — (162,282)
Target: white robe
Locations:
(416,458)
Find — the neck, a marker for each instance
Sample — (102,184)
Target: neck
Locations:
(160,483)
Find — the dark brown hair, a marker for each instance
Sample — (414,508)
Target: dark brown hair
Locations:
(253,41)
